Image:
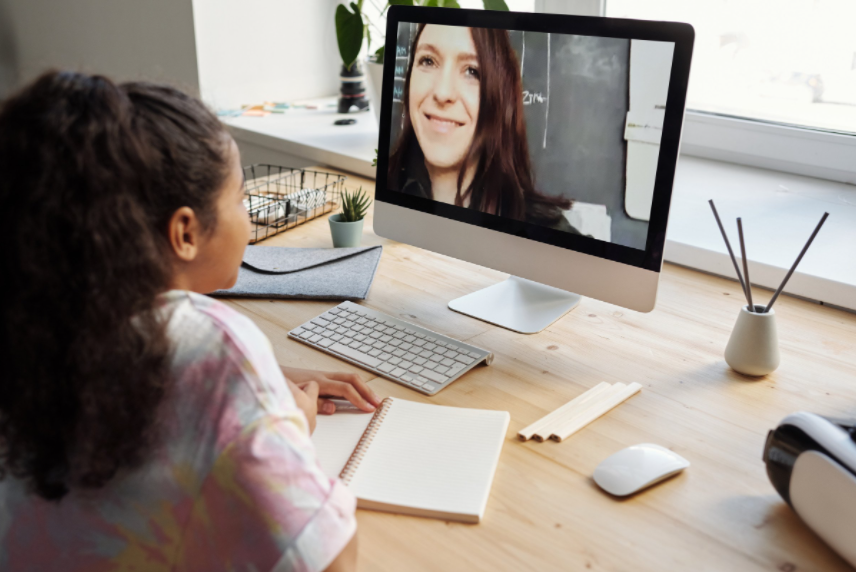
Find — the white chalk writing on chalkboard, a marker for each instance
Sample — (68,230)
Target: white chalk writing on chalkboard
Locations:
(401,51)
(530,97)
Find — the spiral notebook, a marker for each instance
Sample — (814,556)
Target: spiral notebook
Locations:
(414,458)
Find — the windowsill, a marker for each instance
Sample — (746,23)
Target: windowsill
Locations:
(310,135)
(779,210)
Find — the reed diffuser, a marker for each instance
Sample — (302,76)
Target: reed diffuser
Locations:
(753,348)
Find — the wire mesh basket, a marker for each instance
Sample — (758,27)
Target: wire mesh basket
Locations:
(279,198)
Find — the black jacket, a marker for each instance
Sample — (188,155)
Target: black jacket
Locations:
(414,180)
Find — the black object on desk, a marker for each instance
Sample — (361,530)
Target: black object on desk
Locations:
(344,122)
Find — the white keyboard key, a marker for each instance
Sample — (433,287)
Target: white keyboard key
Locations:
(447,362)
(394,360)
(326,343)
(398,372)
(407,378)
(315,339)
(356,355)
(434,376)
(306,334)
(297,331)
(441,369)
(455,369)
(429,387)
(386,367)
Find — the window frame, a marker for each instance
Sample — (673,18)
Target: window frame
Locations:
(793,149)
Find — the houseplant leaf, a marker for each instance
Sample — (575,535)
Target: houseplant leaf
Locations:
(496,5)
(349,33)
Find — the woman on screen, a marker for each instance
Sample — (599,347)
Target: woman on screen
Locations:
(463,139)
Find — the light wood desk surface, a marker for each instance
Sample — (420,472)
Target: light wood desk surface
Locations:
(545,512)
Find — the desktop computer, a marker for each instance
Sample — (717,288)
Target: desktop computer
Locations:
(539,145)
(543,146)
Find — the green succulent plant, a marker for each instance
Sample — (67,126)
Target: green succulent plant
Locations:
(351,28)
(355,205)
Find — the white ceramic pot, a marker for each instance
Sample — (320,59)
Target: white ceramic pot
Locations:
(374,72)
(753,348)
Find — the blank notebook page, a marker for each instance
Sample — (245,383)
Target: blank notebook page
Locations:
(431,457)
(335,438)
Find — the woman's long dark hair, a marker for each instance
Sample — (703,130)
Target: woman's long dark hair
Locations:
(90,174)
(503,183)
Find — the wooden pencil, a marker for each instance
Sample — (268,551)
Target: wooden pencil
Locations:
(589,399)
(527,432)
(578,423)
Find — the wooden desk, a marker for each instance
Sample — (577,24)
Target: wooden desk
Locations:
(545,512)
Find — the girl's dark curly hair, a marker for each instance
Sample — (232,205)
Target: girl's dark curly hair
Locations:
(90,174)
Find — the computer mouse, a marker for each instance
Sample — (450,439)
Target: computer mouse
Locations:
(635,468)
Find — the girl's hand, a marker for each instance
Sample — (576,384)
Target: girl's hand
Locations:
(333,384)
(306,397)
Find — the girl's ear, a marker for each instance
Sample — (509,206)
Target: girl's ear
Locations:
(184,233)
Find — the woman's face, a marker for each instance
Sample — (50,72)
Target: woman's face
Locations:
(444,94)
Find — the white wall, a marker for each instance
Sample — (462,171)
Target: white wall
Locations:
(124,39)
(266,50)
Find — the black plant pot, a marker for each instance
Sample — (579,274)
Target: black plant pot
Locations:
(353,91)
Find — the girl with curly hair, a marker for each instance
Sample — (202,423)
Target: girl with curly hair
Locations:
(143,425)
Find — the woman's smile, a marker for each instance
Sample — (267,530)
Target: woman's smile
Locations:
(441,124)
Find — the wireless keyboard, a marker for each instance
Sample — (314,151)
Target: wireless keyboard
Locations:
(397,350)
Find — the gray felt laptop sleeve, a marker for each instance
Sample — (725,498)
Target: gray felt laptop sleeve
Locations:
(307,273)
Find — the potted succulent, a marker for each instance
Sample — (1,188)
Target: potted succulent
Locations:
(352,28)
(347,226)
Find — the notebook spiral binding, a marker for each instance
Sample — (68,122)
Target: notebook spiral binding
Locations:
(364,442)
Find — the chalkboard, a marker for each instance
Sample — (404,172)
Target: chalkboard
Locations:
(575,97)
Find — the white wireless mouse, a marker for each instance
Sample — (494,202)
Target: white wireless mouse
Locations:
(637,467)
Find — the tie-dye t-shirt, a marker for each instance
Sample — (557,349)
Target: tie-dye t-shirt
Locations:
(233,484)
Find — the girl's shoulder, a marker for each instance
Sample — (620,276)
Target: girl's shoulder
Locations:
(214,344)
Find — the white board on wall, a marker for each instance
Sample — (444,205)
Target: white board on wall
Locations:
(650,69)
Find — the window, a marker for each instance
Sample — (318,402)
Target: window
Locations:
(784,61)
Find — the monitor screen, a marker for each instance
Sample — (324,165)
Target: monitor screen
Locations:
(552,130)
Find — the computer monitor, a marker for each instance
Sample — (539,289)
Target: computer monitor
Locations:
(539,145)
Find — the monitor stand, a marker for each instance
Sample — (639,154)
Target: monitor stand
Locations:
(517,304)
